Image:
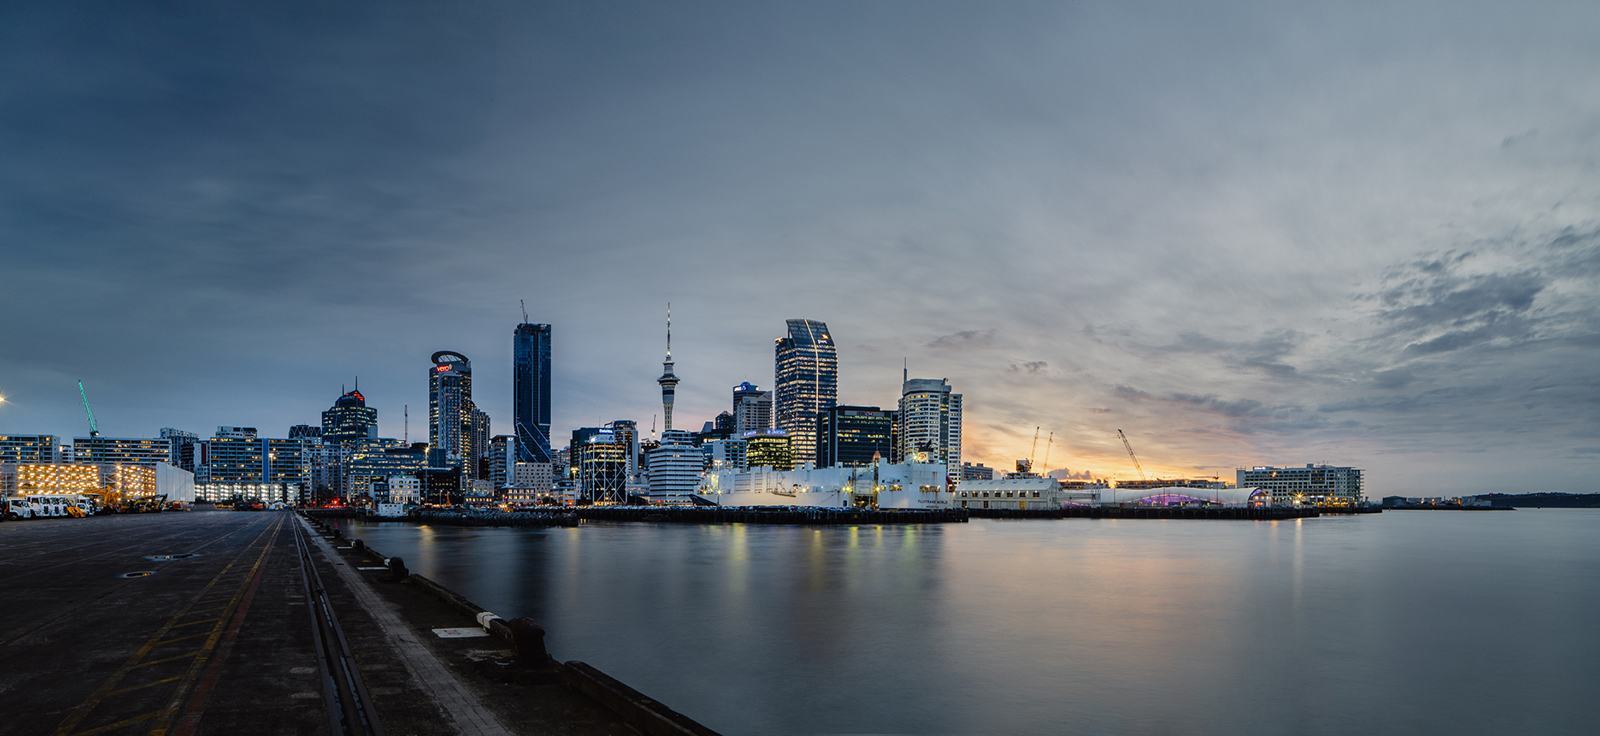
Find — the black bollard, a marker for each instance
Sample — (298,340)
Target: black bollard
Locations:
(397,569)
(528,635)
(360,546)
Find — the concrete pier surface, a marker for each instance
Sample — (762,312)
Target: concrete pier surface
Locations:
(205,622)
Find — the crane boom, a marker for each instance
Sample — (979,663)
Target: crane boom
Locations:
(93,430)
(1046,466)
(1134,457)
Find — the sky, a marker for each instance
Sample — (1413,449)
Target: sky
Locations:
(1243,233)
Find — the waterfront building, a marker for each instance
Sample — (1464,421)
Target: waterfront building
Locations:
(237,455)
(728,454)
(455,426)
(881,485)
(325,469)
(1149,483)
(99,450)
(500,458)
(806,371)
(645,448)
(377,459)
(405,489)
(37,449)
(1020,491)
(565,491)
(675,467)
(626,434)
(930,421)
(34,478)
(536,479)
(768,448)
(712,432)
(478,448)
(442,486)
(976,472)
(752,408)
(601,465)
(285,493)
(180,447)
(1313,485)
(348,420)
(853,436)
(668,381)
(130,480)
(530,392)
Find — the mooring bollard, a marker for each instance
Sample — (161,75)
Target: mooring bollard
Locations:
(397,569)
(528,635)
(360,546)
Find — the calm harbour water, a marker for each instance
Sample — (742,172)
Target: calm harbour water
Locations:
(1404,622)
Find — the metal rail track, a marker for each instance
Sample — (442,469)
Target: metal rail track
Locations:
(350,709)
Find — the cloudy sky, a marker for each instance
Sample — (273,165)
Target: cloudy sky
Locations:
(1360,234)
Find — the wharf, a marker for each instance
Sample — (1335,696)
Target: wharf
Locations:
(232,622)
(804,515)
(1444,507)
(1263,513)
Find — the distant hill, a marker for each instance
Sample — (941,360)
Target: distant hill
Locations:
(1545,500)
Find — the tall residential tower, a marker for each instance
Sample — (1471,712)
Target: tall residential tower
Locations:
(807,384)
(930,422)
(455,426)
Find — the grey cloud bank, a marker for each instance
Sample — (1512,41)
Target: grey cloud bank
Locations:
(1363,234)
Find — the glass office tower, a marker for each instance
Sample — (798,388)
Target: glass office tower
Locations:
(349,420)
(807,376)
(850,436)
(530,376)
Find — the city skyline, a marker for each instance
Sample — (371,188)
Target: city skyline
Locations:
(1375,245)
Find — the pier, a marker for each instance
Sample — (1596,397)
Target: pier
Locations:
(1254,513)
(807,515)
(246,622)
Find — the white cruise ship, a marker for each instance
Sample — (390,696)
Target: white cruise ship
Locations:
(880,485)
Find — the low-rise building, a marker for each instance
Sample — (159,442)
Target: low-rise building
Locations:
(1020,491)
(1312,485)
(979,471)
(29,449)
(675,468)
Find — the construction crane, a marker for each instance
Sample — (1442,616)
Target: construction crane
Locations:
(1046,466)
(93,430)
(524,311)
(1026,466)
(1131,455)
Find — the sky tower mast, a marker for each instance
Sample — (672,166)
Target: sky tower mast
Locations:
(668,381)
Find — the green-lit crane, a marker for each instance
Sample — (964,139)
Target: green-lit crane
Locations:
(93,430)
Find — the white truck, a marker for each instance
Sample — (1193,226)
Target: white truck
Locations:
(38,507)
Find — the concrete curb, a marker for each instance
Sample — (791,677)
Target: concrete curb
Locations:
(649,716)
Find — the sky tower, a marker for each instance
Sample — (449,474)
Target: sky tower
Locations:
(668,381)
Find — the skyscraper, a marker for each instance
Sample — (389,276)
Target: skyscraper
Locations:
(668,381)
(349,420)
(807,384)
(752,408)
(930,422)
(530,377)
(850,436)
(451,413)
